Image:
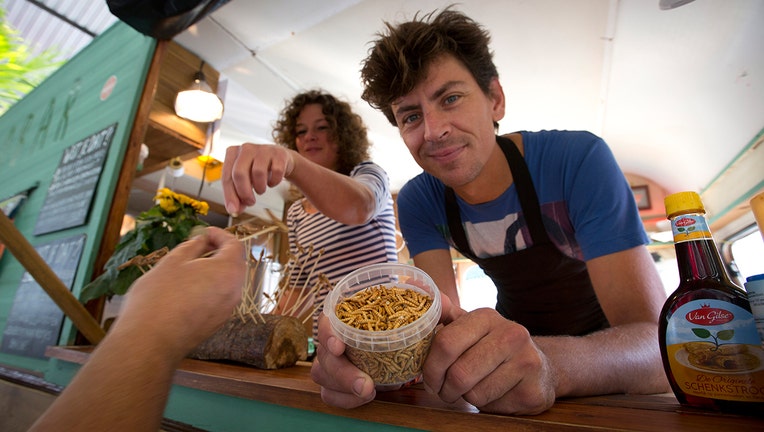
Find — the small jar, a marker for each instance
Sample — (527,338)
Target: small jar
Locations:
(390,357)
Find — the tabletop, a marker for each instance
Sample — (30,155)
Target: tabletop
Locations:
(414,408)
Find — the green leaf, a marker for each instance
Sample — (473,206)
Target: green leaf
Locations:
(110,283)
(701,333)
(154,213)
(726,334)
(161,238)
(125,280)
(99,287)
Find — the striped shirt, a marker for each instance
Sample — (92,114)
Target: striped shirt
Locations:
(339,248)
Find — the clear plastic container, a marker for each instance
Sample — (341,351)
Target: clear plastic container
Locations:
(390,357)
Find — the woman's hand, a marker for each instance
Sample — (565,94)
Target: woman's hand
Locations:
(253,168)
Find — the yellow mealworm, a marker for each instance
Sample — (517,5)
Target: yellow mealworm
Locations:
(380,308)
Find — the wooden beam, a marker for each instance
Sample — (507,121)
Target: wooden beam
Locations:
(26,254)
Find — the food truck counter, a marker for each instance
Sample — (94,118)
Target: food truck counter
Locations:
(219,396)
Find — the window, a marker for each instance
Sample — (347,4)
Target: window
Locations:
(748,253)
(746,250)
(476,290)
(665,262)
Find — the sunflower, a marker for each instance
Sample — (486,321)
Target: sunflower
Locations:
(171,202)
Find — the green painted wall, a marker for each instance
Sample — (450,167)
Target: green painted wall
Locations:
(219,413)
(70,105)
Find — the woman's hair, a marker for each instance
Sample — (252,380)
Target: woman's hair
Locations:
(398,60)
(347,128)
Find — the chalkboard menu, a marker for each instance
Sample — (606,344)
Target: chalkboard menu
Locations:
(35,320)
(70,194)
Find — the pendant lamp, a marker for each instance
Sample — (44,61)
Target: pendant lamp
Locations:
(198,103)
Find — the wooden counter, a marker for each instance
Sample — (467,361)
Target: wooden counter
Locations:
(415,408)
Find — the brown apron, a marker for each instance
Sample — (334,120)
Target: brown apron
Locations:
(539,287)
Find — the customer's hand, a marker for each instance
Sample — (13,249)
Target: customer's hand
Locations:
(189,294)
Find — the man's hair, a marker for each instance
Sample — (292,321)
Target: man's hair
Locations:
(347,128)
(398,60)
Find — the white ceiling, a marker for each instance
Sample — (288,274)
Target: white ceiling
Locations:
(676,93)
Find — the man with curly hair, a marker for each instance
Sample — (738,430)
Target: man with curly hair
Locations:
(547,215)
(345,219)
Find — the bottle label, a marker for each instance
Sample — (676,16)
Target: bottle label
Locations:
(755,290)
(714,351)
(690,227)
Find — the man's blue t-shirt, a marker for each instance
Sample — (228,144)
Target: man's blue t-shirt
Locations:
(586,204)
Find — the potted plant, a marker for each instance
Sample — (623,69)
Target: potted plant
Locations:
(165,225)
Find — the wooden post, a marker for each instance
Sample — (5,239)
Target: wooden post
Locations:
(18,245)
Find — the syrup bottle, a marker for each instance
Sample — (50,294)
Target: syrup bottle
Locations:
(710,348)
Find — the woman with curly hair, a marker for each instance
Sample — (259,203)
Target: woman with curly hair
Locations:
(345,219)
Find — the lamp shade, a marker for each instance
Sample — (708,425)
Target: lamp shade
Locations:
(199,103)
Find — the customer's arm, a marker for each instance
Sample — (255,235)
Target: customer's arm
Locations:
(168,312)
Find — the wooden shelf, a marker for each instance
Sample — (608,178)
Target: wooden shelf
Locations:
(168,135)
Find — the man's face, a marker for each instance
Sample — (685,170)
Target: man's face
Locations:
(446,122)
